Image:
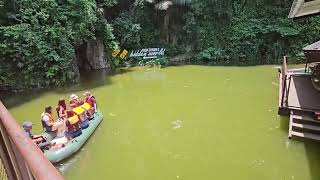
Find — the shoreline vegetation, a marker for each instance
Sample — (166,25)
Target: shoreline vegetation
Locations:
(46,44)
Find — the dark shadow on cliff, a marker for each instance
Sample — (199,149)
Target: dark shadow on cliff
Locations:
(88,80)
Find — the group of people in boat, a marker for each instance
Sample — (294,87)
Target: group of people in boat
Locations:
(71,121)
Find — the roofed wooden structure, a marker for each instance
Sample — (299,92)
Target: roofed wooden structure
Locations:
(312,52)
(301,8)
(300,100)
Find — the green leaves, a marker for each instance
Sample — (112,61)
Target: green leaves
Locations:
(38,49)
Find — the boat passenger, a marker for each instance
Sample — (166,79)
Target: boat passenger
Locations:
(74,102)
(90,99)
(39,140)
(61,109)
(27,127)
(87,107)
(81,112)
(73,128)
(50,125)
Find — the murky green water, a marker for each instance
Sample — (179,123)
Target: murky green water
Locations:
(188,122)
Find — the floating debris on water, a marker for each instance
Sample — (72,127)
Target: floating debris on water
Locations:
(211,99)
(115,132)
(113,115)
(275,84)
(257,162)
(177,124)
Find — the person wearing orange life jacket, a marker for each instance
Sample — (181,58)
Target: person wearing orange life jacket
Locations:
(87,109)
(90,99)
(49,124)
(73,128)
(81,112)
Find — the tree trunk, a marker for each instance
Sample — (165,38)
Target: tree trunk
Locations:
(166,23)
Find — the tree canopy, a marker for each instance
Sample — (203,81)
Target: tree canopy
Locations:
(38,38)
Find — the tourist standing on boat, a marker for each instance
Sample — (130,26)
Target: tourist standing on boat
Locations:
(73,128)
(61,109)
(74,101)
(90,99)
(49,124)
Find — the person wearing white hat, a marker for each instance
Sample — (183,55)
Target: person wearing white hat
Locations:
(74,102)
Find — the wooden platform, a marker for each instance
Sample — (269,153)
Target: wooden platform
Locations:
(296,92)
(299,99)
(302,95)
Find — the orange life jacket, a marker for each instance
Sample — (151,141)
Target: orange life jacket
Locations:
(51,120)
(44,124)
(72,124)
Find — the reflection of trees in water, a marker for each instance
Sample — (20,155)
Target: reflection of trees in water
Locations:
(151,74)
(88,80)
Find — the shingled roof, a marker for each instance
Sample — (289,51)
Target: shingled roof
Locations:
(301,8)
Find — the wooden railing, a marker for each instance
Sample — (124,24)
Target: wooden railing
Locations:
(21,157)
(284,72)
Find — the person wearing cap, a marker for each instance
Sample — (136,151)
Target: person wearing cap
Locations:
(74,102)
(91,100)
(27,127)
(39,140)
(50,125)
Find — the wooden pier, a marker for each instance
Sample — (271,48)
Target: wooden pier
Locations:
(299,100)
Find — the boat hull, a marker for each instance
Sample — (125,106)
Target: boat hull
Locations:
(72,146)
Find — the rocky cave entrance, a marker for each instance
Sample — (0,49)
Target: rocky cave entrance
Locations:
(91,56)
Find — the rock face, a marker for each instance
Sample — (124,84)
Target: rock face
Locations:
(95,55)
(91,55)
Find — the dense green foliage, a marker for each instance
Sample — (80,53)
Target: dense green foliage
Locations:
(236,32)
(38,39)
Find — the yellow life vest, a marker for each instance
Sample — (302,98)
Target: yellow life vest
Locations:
(73,120)
(78,110)
(86,106)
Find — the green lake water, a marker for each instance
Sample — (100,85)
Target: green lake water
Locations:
(187,122)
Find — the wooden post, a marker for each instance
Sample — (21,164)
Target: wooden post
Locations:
(290,125)
(284,80)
